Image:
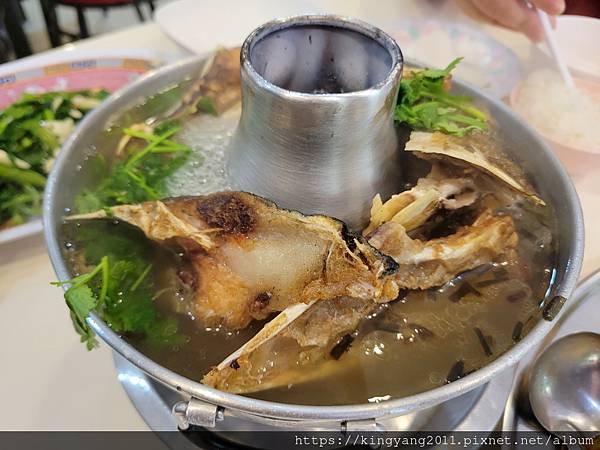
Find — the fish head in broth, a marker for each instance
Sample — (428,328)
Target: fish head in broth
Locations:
(250,258)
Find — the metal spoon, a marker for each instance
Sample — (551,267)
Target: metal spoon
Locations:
(564,385)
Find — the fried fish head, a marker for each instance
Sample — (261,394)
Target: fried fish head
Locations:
(251,259)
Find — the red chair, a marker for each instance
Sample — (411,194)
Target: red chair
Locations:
(54,31)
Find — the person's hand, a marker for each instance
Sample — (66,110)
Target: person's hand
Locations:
(513,14)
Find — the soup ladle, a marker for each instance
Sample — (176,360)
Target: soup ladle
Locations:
(564,385)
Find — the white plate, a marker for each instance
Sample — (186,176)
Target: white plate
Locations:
(487,63)
(71,53)
(202,26)
(30,228)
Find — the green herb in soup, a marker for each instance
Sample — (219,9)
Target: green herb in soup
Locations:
(424,103)
(120,283)
(140,174)
(31,133)
(120,286)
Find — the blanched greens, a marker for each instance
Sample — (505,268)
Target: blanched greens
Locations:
(31,133)
(424,103)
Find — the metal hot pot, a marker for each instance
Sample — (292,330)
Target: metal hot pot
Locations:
(203,406)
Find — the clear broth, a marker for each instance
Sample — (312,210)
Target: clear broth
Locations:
(437,336)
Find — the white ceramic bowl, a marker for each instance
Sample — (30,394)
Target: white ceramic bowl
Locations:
(578,38)
(575,158)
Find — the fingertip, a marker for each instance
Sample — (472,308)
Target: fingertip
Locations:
(559,7)
(533,29)
(552,7)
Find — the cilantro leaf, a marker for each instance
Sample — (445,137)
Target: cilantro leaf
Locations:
(82,299)
(141,176)
(443,73)
(425,104)
(121,290)
(81,302)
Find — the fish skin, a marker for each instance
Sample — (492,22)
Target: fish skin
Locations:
(315,333)
(442,147)
(252,259)
(422,265)
(426,264)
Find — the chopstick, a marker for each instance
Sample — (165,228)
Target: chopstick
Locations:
(554,50)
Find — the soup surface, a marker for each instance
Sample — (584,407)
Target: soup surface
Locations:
(448,276)
(422,340)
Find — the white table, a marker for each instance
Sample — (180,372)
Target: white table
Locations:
(49,381)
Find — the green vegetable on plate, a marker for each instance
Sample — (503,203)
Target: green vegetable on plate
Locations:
(31,133)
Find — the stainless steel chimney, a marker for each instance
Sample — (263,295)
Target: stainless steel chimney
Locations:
(316,132)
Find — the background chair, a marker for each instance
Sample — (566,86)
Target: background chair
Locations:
(55,33)
(12,35)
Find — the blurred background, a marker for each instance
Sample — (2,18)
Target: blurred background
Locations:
(33,26)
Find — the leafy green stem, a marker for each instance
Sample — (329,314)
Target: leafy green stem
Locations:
(22,176)
(139,280)
(155,141)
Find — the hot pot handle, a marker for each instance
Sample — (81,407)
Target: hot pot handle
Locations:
(195,412)
(199,413)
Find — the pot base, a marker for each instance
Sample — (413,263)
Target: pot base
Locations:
(477,410)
